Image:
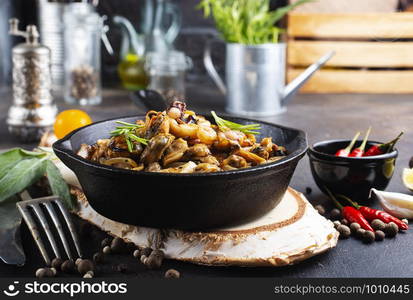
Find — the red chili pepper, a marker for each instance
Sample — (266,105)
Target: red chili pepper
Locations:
(359,151)
(370,214)
(382,148)
(351,214)
(346,151)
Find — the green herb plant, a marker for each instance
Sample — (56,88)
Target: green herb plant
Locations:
(248,22)
(228,125)
(128,130)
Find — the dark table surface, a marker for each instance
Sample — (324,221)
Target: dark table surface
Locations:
(322,117)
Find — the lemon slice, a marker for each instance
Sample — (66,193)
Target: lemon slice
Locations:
(408,178)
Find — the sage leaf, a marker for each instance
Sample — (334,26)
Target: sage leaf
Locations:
(10,158)
(23,174)
(59,186)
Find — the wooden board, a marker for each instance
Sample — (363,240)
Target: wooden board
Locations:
(352,53)
(290,233)
(361,26)
(357,81)
(347,6)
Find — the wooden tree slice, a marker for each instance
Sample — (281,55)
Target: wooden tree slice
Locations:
(290,233)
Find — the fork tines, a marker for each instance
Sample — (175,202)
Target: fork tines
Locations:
(35,208)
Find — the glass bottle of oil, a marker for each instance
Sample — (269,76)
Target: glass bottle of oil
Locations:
(132,73)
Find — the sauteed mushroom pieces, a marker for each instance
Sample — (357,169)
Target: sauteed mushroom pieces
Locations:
(178,140)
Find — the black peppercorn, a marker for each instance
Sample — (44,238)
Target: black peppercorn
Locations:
(106,250)
(98,258)
(146,251)
(172,273)
(379,235)
(320,209)
(105,242)
(68,266)
(117,245)
(56,263)
(84,266)
(40,273)
(335,214)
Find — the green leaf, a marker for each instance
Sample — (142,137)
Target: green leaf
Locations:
(10,158)
(246,21)
(59,186)
(23,174)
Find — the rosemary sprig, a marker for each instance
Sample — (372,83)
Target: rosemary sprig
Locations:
(128,131)
(225,124)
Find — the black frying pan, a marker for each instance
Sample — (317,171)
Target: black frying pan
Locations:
(186,201)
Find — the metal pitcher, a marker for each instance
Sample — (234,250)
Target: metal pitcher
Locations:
(256,78)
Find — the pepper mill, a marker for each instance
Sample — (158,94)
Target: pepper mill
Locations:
(33,110)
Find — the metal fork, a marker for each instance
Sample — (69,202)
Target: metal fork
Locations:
(36,206)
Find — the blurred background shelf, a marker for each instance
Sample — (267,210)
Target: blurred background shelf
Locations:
(374,51)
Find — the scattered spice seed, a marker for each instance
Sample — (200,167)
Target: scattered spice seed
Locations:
(53,271)
(369,237)
(378,224)
(335,214)
(130,247)
(146,251)
(344,222)
(308,190)
(136,253)
(143,259)
(336,224)
(57,263)
(354,227)
(78,261)
(84,266)
(105,242)
(98,258)
(107,250)
(40,273)
(172,273)
(117,245)
(153,261)
(321,210)
(360,233)
(380,235)
(88,275)
(68,266)
(391,230)
(344,231)
(405,221)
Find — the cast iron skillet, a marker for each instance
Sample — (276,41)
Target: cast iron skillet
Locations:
(185,201)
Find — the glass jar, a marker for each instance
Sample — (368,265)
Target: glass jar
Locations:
(82,33)
(166,72)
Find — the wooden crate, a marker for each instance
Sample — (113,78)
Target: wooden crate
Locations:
(374,52)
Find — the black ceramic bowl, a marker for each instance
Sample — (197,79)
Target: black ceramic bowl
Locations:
(350,176)
(187,201)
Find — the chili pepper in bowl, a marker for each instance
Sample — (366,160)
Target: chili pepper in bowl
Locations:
(351,214)
(382,148)
(346,151)
(370,214)
(359,151)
